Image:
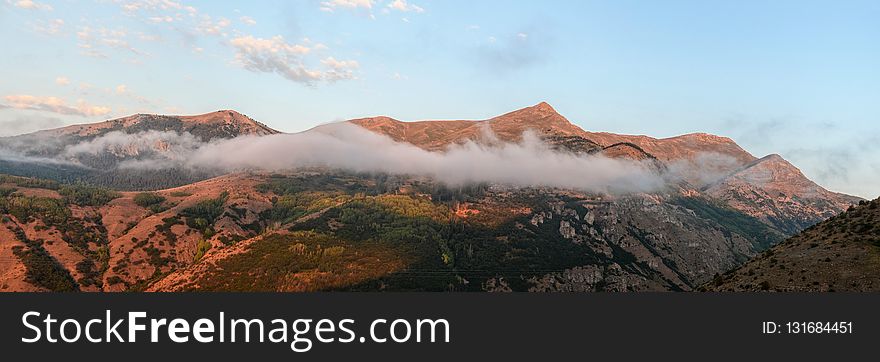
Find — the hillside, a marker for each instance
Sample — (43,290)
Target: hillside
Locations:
(839,254)
(328,230)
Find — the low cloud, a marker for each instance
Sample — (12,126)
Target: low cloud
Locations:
(704,168)
(21,125)
(345,146)
(54,105)
(168,145)
(349,147)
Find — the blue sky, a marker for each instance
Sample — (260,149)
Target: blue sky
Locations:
(798,78)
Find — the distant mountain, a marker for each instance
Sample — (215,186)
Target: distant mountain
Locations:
(775,191)
(839,254)
(51,153)
(208,126)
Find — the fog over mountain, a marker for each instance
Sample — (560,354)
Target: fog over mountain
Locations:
(523,201)
(346,146)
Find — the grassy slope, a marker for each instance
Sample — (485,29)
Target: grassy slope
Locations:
(839,254)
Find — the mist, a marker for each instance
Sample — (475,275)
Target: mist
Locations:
(350,147)
(345,146)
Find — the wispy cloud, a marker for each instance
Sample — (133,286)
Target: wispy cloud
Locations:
(50,27)
(247,20)
(30,5)
(21,124)
(210,26)
(843,159)
(276,55)
(512,52)
(403,5)
(95,42)
(54,105)
(136,6)
(332,5)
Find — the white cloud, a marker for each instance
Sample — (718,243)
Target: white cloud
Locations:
(51,27)
(276,55)
(134,6)
(92,42)
(247,20)
(62,81)
(30,5)
(54,105)
(161,19)
(121,89)
(402,5)
(332,5)
(339,69)
(210,27)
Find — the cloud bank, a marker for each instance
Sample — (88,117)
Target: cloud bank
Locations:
(345,146)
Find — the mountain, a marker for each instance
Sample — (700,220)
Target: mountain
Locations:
(94,152)
(839,254)
(775,191)
(329,229)
(543,119)
(208,126)
(770,188)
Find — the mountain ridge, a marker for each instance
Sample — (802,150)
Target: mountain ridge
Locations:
(242,124)
(363,231)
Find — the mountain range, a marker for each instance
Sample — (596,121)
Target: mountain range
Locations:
(86,208)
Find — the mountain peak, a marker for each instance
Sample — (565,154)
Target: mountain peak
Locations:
(773,157)
(544,107)
(541,113)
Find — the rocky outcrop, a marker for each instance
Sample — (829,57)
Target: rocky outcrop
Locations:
(775,191)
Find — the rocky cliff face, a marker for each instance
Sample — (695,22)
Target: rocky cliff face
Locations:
(505,239)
